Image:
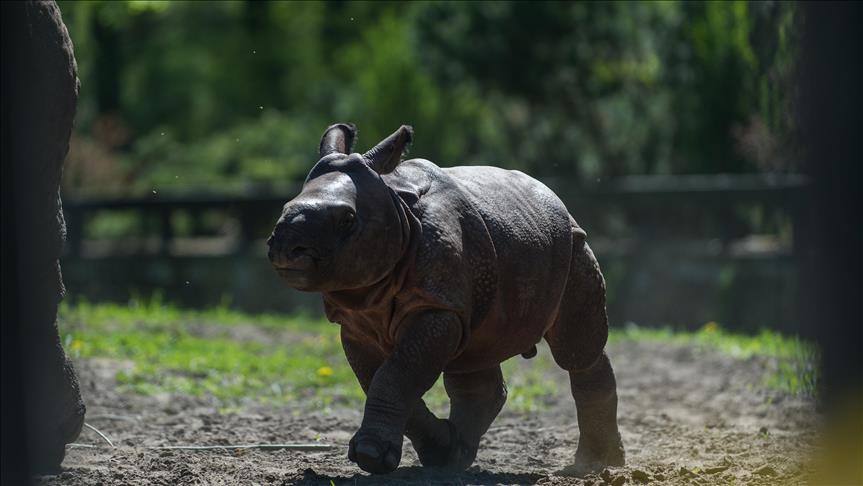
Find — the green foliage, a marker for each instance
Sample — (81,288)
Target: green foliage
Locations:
(242,158)
(296,359)
(232,96)
(608,88)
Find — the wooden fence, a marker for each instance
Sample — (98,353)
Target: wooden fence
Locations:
(682,249)
(643,208)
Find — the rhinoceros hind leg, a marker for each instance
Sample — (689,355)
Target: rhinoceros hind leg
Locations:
(430,436)
(475,400)
(599,443)
(577,342)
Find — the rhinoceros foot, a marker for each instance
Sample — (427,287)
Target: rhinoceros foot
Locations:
(593,457)
(375,452)
(455,455)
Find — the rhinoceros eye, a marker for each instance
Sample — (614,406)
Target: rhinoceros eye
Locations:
(348,220)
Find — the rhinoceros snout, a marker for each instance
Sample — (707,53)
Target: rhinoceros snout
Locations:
(285,254)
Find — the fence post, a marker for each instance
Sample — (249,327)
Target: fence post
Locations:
(166,230)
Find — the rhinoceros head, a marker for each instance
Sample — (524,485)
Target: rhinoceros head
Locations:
(343,230)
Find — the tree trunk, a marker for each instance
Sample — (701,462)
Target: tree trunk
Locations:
(42,405)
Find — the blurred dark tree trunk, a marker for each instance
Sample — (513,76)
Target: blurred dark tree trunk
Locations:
(108,67)
(830,125)
(107,84)
(255,15)
(42,406)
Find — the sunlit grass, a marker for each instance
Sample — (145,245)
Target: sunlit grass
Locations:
(153,311)
(291,359)
(298,360)
(796,359)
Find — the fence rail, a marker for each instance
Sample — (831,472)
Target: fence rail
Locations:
(649,203)
(684,249)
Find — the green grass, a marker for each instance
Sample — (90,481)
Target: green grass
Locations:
(170,353)
(298,360)
(796,360)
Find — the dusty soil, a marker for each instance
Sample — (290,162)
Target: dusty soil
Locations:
(687,415)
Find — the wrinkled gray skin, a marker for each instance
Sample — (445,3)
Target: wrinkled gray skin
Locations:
(451,271)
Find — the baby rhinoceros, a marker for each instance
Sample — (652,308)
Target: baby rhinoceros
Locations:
(452,271)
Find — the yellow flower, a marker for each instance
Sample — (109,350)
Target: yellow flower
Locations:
(76,344)
(325,371)
(710,327)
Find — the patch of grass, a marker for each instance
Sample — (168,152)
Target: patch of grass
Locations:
(298,359)
(154,311)
(290,358)
(796,370)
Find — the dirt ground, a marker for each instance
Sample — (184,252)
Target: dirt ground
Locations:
(687,416)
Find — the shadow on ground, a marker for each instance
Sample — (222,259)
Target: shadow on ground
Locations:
(416,475)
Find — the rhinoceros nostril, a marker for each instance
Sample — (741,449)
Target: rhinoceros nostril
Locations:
(299,251)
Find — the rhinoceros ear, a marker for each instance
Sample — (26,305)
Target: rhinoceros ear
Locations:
(338,138)
(385,156)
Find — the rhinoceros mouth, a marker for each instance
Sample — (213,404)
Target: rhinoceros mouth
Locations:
(300,263)
(291,272)
(299,279)
(299,267)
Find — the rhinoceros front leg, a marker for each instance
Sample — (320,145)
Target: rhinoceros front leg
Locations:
(423,348)
(429,435)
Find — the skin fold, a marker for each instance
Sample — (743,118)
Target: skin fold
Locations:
(452,271)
